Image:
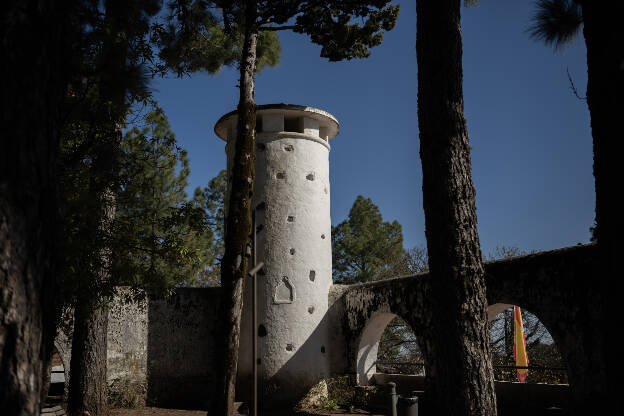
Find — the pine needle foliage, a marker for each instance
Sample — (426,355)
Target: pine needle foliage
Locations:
(163,237)
(364,247)
(557,23)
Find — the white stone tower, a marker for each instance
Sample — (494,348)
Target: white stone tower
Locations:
(291,198)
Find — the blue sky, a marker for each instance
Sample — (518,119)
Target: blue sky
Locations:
(532,151)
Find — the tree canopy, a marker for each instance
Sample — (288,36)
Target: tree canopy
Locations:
(212,200)
(364,246)
(164,237)
(159,237)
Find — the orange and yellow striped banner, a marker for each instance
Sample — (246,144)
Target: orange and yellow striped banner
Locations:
(520,354)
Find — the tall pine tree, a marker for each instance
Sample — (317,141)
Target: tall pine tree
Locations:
(162,237)
(157,238)
(459,379)
(344,29)
(364,247)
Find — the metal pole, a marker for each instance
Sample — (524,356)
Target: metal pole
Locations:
(393,398)
(254,322)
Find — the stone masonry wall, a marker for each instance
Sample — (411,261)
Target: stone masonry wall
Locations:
(127,351)
(180,348)
(160,351)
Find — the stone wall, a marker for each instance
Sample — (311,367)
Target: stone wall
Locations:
(160,351)
(127,351)
(180,348)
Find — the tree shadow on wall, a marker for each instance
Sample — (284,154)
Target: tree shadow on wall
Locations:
(180,349)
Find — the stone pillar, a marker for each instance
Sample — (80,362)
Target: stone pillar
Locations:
(291,198)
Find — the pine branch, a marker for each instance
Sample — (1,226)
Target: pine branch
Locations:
(276,28)
(573,88)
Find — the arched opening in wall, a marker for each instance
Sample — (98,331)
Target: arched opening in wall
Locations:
(388,345)
(56,389)
(399,352)
(546,365)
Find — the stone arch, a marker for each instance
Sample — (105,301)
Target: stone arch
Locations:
(62,344)
(495,309)
(559,288)
(553,315)
(65,362)
(543,333)
(368,309)
(368,345)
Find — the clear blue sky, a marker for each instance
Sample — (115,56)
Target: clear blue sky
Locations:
(532,152)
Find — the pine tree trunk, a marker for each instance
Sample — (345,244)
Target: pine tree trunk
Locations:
(87,381)
(88,368)
(33,54)
(46,376)
(604,32)
(238,222)
(459,378)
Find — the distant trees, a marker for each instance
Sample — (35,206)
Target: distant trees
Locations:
(399,351)
(541,350)
(364,247)
(162,236)
(212,200)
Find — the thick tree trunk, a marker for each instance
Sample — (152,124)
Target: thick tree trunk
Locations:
(33,54)
(604,34)
(87,381)
(87,385)
(459,378)
(46,376)
(238,222)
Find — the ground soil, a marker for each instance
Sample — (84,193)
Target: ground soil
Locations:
(157,411)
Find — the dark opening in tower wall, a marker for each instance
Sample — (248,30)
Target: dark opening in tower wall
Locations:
(293,124)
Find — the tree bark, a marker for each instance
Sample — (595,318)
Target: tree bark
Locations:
(33,57)
(87,393)
(238,222)
(459,378)
(87,385)
(604,32)
(46,376)
(88,370)
(87,382)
